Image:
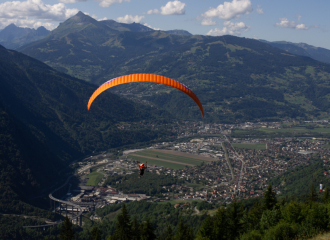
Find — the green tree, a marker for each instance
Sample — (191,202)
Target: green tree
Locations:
(326,195)
(207,228)
(147,231)
(251,219)
(269,199)
(168,235)
(220,229)
(235,214)
(184,232)
(270,218)
(95,233)
(135,229)
(312,196)
(123,226)
(66,230)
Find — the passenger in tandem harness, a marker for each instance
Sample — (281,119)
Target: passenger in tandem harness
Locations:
(142,167)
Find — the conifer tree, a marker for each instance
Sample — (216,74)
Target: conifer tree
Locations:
(95,233)
(135,229)
(206,230)
(326,195)
(184,232)
(66,230)
(220,224)
(269,200)
(252,218)
(235,214)
(147,231)
(312,196)
(168,235)
(123,227)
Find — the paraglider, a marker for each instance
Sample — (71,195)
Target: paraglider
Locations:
(142,166)
(145,77)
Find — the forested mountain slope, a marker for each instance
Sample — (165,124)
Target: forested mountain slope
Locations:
(44,124)
(303,49)
(236,79)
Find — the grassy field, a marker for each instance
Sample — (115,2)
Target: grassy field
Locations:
(296,130)
(169,159)
(256,146)
(94,178)
(326,146)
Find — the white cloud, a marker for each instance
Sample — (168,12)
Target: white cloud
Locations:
(229,28)
(301,27)
(130,19)
(284,22)
(259,10)
(28,23)
(208,22)
(171,8)
(229,10)
(147,25)
(154,11)
(95,17)
(35,9)
(299,17)
(34,13)
(71,1)
(108,3)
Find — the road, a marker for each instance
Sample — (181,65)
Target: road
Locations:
(241,159)
(60,201)
(228,161)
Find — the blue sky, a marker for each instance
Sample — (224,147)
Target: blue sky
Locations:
(291,20)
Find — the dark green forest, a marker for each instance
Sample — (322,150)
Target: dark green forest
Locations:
(268,218)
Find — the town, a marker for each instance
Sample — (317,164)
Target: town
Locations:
(238,167)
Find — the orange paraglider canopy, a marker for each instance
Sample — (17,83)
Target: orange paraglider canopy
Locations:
(145,77)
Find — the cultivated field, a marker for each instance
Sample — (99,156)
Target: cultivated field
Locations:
(296,130)
(169,159)
(94,178)
(256,146)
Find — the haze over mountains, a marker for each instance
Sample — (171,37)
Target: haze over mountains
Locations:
(13,37)
(303,49)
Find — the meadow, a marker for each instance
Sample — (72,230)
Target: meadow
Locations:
(94,178)
(169,159)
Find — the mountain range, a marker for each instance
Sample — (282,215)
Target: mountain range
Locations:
(13,37)
(236,79)
(303,49)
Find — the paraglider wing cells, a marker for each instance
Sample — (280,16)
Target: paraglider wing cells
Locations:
(145,77)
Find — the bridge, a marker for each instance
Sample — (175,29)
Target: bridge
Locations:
(76,210)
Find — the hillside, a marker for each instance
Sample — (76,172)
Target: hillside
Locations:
(303,49)
(45,125)
(13,37)
(236,79)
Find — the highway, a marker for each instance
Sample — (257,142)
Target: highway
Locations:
(78,216)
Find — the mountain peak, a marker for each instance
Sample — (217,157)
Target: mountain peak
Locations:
(81,18)
(80,14)
(11,26)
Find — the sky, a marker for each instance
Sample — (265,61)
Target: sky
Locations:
(306,21)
